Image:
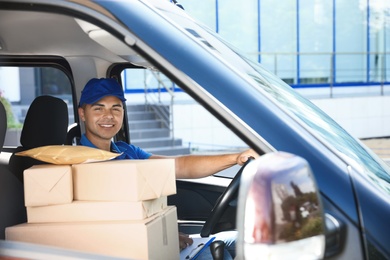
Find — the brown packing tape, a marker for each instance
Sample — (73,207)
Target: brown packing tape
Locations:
(85,211)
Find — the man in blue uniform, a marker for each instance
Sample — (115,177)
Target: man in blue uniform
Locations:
(101,109)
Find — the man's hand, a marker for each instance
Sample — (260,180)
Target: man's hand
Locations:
(244,156)
(184,241)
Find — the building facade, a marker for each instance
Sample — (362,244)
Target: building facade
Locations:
(308,43)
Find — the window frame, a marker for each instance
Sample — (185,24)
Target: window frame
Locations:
(56,62)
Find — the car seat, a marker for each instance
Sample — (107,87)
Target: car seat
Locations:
(12,210)
(46,123)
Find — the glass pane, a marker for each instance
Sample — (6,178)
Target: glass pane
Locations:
(164,120)
(206,17)
(19,86)
(351,29)
(238,24)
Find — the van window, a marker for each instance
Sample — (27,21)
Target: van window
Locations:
(164,120)
(19,86)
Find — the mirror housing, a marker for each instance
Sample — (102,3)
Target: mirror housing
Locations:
(279,213)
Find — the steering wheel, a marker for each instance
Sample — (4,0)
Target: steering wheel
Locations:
(223,202)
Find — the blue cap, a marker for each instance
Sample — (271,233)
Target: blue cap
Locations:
(97,89)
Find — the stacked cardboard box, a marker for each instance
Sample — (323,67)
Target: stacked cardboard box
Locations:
(116,208)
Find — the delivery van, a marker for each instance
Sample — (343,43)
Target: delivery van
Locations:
(314,192)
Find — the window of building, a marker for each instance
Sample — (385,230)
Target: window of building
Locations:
(19,86)
(345,41)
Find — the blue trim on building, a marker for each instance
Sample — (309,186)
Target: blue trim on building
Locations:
(135,91)
(124,80)
(258,31)
(342,84)
(318,85)
(216,16)
(298,46)
(368,41)
(334,43)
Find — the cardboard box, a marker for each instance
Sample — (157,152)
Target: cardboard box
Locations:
(153,238)
(124,180)
(96,211)
(48,185)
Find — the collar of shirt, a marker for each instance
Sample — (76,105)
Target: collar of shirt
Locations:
(85,141)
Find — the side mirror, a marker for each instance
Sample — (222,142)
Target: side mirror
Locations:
(279,214)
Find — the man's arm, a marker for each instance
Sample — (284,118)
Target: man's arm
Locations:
(198,166)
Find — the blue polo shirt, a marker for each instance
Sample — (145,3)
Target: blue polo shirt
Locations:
(128,151)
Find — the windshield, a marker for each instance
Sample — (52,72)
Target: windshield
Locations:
(322,125)
(318,122)
(310,116)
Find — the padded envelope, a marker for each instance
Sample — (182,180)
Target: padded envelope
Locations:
(48,185)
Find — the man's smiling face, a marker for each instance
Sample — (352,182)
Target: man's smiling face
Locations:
(102,119)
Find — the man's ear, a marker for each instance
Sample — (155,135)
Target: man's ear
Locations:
(81,114)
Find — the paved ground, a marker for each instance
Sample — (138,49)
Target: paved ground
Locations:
(380,146)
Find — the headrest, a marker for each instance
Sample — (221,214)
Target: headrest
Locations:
(46,122)
(3,124)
